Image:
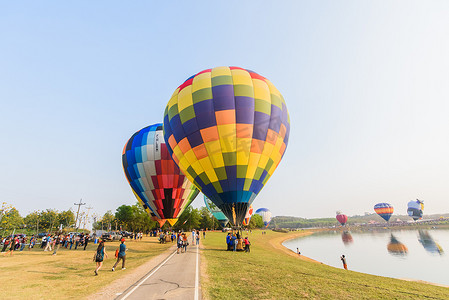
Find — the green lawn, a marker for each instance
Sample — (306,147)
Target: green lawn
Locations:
(69,274)
(271,272)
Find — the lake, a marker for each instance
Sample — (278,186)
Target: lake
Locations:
(404,254)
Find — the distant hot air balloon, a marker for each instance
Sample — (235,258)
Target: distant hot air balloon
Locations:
(396,247)
(216,212)
(227,128)
(248,216)
(265,213)
(384,210)
(342,218)
(415,209)
(346,237)
(154,177)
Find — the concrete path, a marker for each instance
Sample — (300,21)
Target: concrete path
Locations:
(176,277)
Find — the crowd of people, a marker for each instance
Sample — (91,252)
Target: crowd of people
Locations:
(235,242)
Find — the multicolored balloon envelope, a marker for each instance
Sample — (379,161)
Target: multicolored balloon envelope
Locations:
(415,209)
(248,216)
(384,210)
(154,177)
(265,213)
(343,219)
(227,128)
(216,212)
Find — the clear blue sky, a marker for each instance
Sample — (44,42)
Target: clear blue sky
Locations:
(366,85)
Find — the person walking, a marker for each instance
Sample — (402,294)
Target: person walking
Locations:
(58,242)
(48,245)
(5,244)
(197,237)
(179,244)
(121,255)
(99,256)
(86,241)
(32,242)
(44,242)
(204,233)
(13,246)
(298,252)
(343,260)
(185,242)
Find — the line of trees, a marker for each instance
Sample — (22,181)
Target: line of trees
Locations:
(135,218)
(48,220)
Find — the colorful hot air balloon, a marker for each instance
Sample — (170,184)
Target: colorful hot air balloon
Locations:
(415,209)
(248,216)
(384,210)
(265,213)
(342,218)
(154,177)
(227,128)
(216,212)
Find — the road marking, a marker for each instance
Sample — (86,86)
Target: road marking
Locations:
(196,274)
(148,276)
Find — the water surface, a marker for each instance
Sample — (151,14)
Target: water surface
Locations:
(406,254)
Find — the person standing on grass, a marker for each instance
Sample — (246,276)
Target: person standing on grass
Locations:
(204,233)
(343,260)
(48,245)
(99,256)
(86,241)
(121,255)
(77,241)
(23,244)
(298,252)
(247,244)
(44,241)
(32,242)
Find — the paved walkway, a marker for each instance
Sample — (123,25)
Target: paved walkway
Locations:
(176,277)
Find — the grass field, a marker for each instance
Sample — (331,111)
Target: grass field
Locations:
(69,274)
(272,272)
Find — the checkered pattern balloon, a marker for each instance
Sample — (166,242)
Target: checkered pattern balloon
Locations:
(227,129)
(154,177)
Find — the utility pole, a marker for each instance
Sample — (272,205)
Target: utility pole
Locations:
(85,218)
(77,213)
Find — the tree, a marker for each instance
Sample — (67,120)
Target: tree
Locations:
(256,222)
(32,220)
(189,219)
(124,215)
(11,220)
(207,220)
(48,219)
(66,218)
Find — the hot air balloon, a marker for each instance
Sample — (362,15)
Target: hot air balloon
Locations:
(248,216)
(216,212)
(154,177)
(265,213)
(342,218)
(396,247)
(227,128)
(415,209)
(384,210)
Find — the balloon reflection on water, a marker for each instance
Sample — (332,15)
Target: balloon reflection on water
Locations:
(429,243)
(346,237)
(395,247)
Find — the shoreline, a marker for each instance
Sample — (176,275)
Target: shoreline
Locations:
(305,258)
